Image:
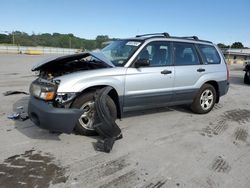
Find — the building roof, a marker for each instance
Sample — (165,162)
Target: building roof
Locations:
(244,52)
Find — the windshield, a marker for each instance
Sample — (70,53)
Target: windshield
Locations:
(118,52)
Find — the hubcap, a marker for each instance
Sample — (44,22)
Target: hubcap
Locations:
(87,118)
(206,99)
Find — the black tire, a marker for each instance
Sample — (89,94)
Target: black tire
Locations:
(196,106)
(85,98)
(246,79)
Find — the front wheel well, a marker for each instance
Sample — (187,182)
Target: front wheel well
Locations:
(216,87)
(113,94)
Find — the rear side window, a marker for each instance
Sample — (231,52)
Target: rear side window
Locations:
(185,54)
(209,54)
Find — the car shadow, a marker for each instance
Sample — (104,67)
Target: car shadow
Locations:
(237,80)
(27,127)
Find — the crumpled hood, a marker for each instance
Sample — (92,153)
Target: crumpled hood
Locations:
(78,56)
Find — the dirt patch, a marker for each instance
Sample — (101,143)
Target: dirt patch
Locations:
(220,165)
(217,106)
(158,184)
(241,134)
(31,169)
(220,127)
(13,73)
(240,116)
(125,180)
(105,169)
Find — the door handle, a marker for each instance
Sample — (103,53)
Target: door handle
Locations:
(166,72)
(201,70)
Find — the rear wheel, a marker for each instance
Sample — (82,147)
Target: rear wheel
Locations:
(84,125)
(246,79)
(204,100)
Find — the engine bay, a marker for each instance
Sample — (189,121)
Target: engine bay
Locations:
(62,68)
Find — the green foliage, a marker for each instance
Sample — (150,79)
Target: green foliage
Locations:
(237,45)
(53,40)
(5,38)
(221,45)
(234,45)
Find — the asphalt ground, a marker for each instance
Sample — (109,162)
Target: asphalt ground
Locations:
(166,147)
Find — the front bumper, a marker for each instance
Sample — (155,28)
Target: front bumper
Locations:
(54,119)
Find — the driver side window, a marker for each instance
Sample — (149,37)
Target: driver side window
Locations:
(158,53)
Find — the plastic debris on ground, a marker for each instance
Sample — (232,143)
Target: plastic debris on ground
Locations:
(7,93)
(14,116)
(19,115)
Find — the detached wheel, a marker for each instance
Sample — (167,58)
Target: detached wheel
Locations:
(84,125)
(246,79)
(204,100)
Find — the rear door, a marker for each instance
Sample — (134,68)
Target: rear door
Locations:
(188,70)
(212,59)
(150,86)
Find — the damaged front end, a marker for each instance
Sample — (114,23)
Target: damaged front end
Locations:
(50,109)
(59,66)
(46,112)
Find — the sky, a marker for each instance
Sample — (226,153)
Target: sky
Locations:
(221,21)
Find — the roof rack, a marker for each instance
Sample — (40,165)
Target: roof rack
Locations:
(155,34)
(191,37)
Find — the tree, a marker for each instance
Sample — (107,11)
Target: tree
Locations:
(237,45)
(53,40)
(100,39)
(5,38)
(221,45)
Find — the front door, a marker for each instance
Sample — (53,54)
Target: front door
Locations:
(150,86)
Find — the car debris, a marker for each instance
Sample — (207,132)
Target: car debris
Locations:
(104,124)
(105,145)
(24,116)
(20,114)
(19,107)
(14,116)
(7,93)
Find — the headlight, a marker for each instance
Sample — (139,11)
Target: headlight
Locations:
(43,91)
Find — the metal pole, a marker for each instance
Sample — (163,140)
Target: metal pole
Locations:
(228,56)
(13,37)
(69,42)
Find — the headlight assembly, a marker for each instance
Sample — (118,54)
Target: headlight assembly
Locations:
(43,91)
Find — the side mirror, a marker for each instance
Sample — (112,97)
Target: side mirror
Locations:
(142,63)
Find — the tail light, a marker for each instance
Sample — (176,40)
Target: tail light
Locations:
(227,72)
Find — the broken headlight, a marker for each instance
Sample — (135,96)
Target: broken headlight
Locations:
(43,91)
(63,98)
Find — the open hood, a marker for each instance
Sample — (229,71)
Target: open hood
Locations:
(64,59)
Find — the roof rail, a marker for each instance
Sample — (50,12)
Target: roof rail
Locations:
(155,34)
(166,35)
(191,37)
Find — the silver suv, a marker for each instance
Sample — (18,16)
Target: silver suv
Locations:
(147,71)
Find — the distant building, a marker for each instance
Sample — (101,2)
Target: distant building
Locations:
(236,56)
